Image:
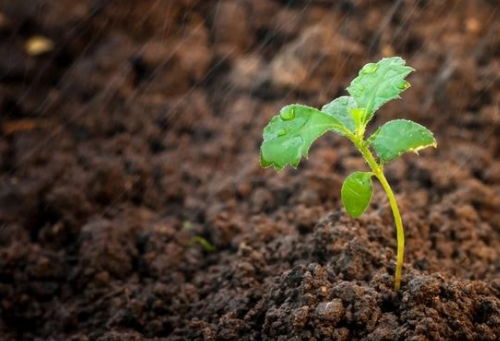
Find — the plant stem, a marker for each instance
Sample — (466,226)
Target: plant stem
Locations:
(399,229)
(378,171)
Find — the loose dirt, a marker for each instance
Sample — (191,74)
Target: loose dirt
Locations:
(140,129)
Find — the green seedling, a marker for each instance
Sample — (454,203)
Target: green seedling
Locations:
(207,246)
(289,135)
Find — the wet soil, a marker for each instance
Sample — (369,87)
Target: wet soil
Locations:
(140,130)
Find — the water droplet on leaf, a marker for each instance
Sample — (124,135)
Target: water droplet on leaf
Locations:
(281,132)
(369,68)
(403,85)
(288,114)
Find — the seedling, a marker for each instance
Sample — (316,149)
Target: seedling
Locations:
(289,135)
(207,246)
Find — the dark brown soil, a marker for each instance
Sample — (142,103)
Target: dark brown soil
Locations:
(141,128)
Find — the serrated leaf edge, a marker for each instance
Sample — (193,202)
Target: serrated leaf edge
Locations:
(338,128)
(411,150)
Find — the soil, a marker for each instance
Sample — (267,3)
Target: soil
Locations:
(140,130)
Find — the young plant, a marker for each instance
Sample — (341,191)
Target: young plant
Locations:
(289,135)
(197,239)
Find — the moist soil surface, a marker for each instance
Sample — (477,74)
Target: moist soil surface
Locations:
(136,138)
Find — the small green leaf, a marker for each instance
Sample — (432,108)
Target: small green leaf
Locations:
(339,109)
(209,247)
(400,136)
(358,115)
(356,193)
(378,83)
(289,135)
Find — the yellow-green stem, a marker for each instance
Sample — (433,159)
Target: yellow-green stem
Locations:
(378,171)
(399,229)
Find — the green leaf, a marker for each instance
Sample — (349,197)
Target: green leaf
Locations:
(378,83)
(400,136)
(339,108)
(209,247)
(358,116)
(289,135)
(356,193)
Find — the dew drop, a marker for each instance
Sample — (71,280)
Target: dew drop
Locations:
(281,132)
(369,68)
(403,85)
(288,114)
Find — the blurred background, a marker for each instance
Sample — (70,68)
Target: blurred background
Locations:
(132,204)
